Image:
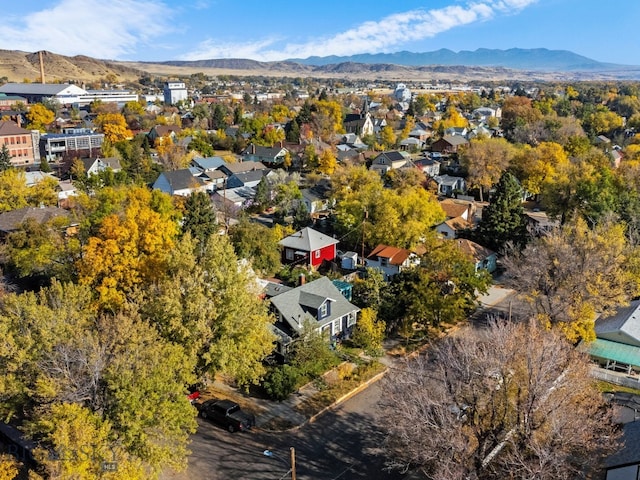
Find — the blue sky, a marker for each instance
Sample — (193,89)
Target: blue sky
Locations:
(153,30)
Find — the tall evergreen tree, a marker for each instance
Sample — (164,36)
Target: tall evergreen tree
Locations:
(5,158)
(200,217)
(503,220)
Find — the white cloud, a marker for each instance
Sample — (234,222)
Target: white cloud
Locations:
(103,29)
(369,37)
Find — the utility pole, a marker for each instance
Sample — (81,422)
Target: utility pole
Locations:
(293,463)
(364,222)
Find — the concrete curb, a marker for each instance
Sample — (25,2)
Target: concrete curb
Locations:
(338,401)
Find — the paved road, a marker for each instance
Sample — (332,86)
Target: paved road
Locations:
(342,444)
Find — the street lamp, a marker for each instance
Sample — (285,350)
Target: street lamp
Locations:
(291,465)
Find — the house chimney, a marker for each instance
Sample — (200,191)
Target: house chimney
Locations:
(253,149)
(302,279)
(41,67)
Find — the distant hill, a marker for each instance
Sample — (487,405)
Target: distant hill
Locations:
(515,58)
(18,66)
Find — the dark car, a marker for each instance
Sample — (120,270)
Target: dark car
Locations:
(227,414)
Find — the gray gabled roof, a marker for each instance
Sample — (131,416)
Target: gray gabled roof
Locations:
(291,304)
(182,179)
(308,240)
(10,221)
(623,327)
(208,163)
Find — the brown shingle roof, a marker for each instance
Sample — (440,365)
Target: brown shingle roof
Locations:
(9,221)
(11,128)
(394,255)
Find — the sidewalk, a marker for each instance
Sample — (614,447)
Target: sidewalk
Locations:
(286,415)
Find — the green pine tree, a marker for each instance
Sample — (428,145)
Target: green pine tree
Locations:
(503,220)
(5,159)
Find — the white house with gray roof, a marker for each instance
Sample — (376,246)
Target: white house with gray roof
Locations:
(617,343)
(319,305)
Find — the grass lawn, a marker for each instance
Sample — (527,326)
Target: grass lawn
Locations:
(606,387)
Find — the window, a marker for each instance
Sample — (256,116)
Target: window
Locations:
(322,312)
(337,327)
(383,261)
(351,320)
(317,253)
(289,254)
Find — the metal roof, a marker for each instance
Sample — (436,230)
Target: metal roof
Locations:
(619,352)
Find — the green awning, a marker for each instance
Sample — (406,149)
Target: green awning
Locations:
(608,350)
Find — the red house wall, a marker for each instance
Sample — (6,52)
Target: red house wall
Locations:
(327,253)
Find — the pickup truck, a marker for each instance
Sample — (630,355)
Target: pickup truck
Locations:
(227,414)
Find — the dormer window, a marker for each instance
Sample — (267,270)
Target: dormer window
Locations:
(322,311)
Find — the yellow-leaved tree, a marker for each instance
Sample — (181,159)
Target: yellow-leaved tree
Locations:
(39,117)
(129,250)
(114,126)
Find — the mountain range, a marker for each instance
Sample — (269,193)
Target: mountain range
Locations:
(516,58)
(441,65)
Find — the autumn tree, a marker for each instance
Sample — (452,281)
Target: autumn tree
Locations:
(42,249)
(365,209)
(39,117)
(129,249)
(197,305)
(327,162)
(76,374)
(572,275)
(485,159)
(257,243)
(535,167)
(515,401)
(114,126)
(518,111)
(503,220)
(369,331)
(441,291)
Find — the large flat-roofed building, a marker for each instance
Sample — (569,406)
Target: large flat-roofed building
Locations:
(22,144)
(58,146)
(65,94)
(175,92)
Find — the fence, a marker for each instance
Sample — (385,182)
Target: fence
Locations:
(616,378)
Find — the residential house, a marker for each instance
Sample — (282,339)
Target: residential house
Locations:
(159,132)
(10,221)
(308,247)
(318,305)
(539,223)
(207,164)
(391,260)
(411,144)
(271,156)
(241,167)
(93,166)
(449,144)
(456,131)
(247,179)
(482,257)
(429,166)
(390,160)
(448,185)
(617,343)
(179,182)
(22,144)
(460,216)
(625,463)
(313,200)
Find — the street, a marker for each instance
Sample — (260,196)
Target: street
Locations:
(342,444)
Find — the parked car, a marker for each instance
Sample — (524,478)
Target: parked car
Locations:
(227,414)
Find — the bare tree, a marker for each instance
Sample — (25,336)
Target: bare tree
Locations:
(512,401)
